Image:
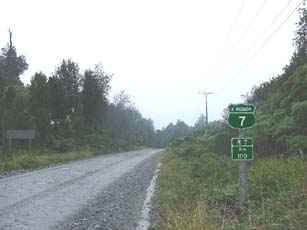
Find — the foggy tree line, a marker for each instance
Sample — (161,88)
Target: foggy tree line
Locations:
(178,130)
(69,109)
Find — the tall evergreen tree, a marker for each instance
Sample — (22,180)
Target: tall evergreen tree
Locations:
(39,104)
(92,99)
(11,65)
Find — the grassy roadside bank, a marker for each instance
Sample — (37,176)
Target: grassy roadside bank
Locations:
(200,191)
(22,159)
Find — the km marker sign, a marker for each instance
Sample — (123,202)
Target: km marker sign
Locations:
(242,149)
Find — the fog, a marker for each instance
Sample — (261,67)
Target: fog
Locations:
(162,53)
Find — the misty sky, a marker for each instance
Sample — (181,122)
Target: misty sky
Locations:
(162,52)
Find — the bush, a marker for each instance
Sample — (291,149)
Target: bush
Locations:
(296,143)
(62,144)
(193,189)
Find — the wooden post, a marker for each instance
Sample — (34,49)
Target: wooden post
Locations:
(10,145)
(30,145)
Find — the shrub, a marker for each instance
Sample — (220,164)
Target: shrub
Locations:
(62,144)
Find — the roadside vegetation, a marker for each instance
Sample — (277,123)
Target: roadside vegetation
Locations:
(200,190)
(199,183)
(21,159)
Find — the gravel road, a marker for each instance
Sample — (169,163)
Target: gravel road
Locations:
(106,192)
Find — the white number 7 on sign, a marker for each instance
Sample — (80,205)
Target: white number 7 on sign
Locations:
(242,119)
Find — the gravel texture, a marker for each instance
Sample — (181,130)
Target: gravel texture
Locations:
(106,192)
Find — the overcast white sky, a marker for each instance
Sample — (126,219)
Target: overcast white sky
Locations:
(161,52)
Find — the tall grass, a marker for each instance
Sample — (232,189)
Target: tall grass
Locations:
(24,160)
(201,192)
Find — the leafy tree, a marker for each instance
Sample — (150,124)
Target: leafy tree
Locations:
(95,89)
(56,103)
(68,77)
(92,99)
(104,80)
(17,108)
(299,112)
(39,104)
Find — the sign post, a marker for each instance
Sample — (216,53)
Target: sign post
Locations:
(242,116)
(242,174)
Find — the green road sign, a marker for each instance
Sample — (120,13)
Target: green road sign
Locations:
(242,149)
(241,116)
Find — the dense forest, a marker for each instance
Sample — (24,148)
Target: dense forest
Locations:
(282,102)
(71,109)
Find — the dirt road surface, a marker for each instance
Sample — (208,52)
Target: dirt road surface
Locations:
(105,192)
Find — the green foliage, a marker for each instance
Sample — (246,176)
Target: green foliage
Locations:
(201,191)
(12,65)
(21,159)
(171,133)
(62,144)
(282,115)
(282,102)
(215,138)
(127,122)
(189,150)
(96,85)
(299,114)
(296,143)
(67,77)
(56,102)
(276,177)
(68,111)
(39,105)
(12,97)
